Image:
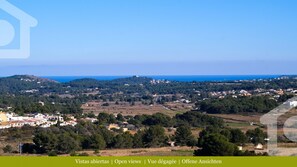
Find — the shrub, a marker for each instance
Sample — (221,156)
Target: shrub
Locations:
(7,149)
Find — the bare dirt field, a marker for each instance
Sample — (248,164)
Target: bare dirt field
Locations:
(138,108)
(243,122)
(239,118)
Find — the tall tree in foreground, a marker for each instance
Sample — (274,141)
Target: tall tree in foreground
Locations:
(256,136)
(104,118)
(155,137)
(138,140)
(95,141)
(45,141)
(66,144)
(124,140)
(216,145)
(184,136)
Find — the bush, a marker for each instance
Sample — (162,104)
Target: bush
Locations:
(83,154)
(124,140)
(96,152)
(7,149)
(155,137)
(229,105)
(256,136)
(52,154)
(73,154)
(197,119)
(30,148)
(184,136)
(216,145)
(95,141)
(105,104)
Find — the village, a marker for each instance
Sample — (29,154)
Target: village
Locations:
(256,92)
(12,120)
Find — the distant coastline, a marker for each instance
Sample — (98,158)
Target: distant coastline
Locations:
(180,78)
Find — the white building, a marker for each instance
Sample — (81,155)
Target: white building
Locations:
(293,104)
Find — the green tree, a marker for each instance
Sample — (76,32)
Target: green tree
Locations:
(7,149)
(216,145)
(206,132)
(226,133)
(158,119)
(197,119)
(95,141)
(256,136)
(104,118)
(66,144)
(138,140)
(155,136)
(124,140)
(184,136)
(46,141)
(260,104)
(237,136)
(52,154)
(120,118)
(106,134)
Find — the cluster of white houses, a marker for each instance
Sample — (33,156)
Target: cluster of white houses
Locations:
(11,120)
(259,92)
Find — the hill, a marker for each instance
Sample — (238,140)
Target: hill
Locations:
(25,83)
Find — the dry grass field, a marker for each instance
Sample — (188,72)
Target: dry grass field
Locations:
(164,151)
(243,122)
(239,118)
(125,108)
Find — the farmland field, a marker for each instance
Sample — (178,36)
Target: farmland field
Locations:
(138,108)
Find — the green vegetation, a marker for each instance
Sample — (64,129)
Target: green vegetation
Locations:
(23,94)
(216,145)
(155,119)
(184,137)
(155,137)
(236,136)
(212,140)
(215,141)
(65,140)
(256,136)
(196,119)
(85,136)
(28,95)
(104,118)
(260,104)
(94,141)
(7,149)
(124,140)
(23,104)
(191,118)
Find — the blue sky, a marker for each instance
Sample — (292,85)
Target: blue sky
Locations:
(159,37)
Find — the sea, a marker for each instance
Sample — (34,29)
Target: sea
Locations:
(180,78)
